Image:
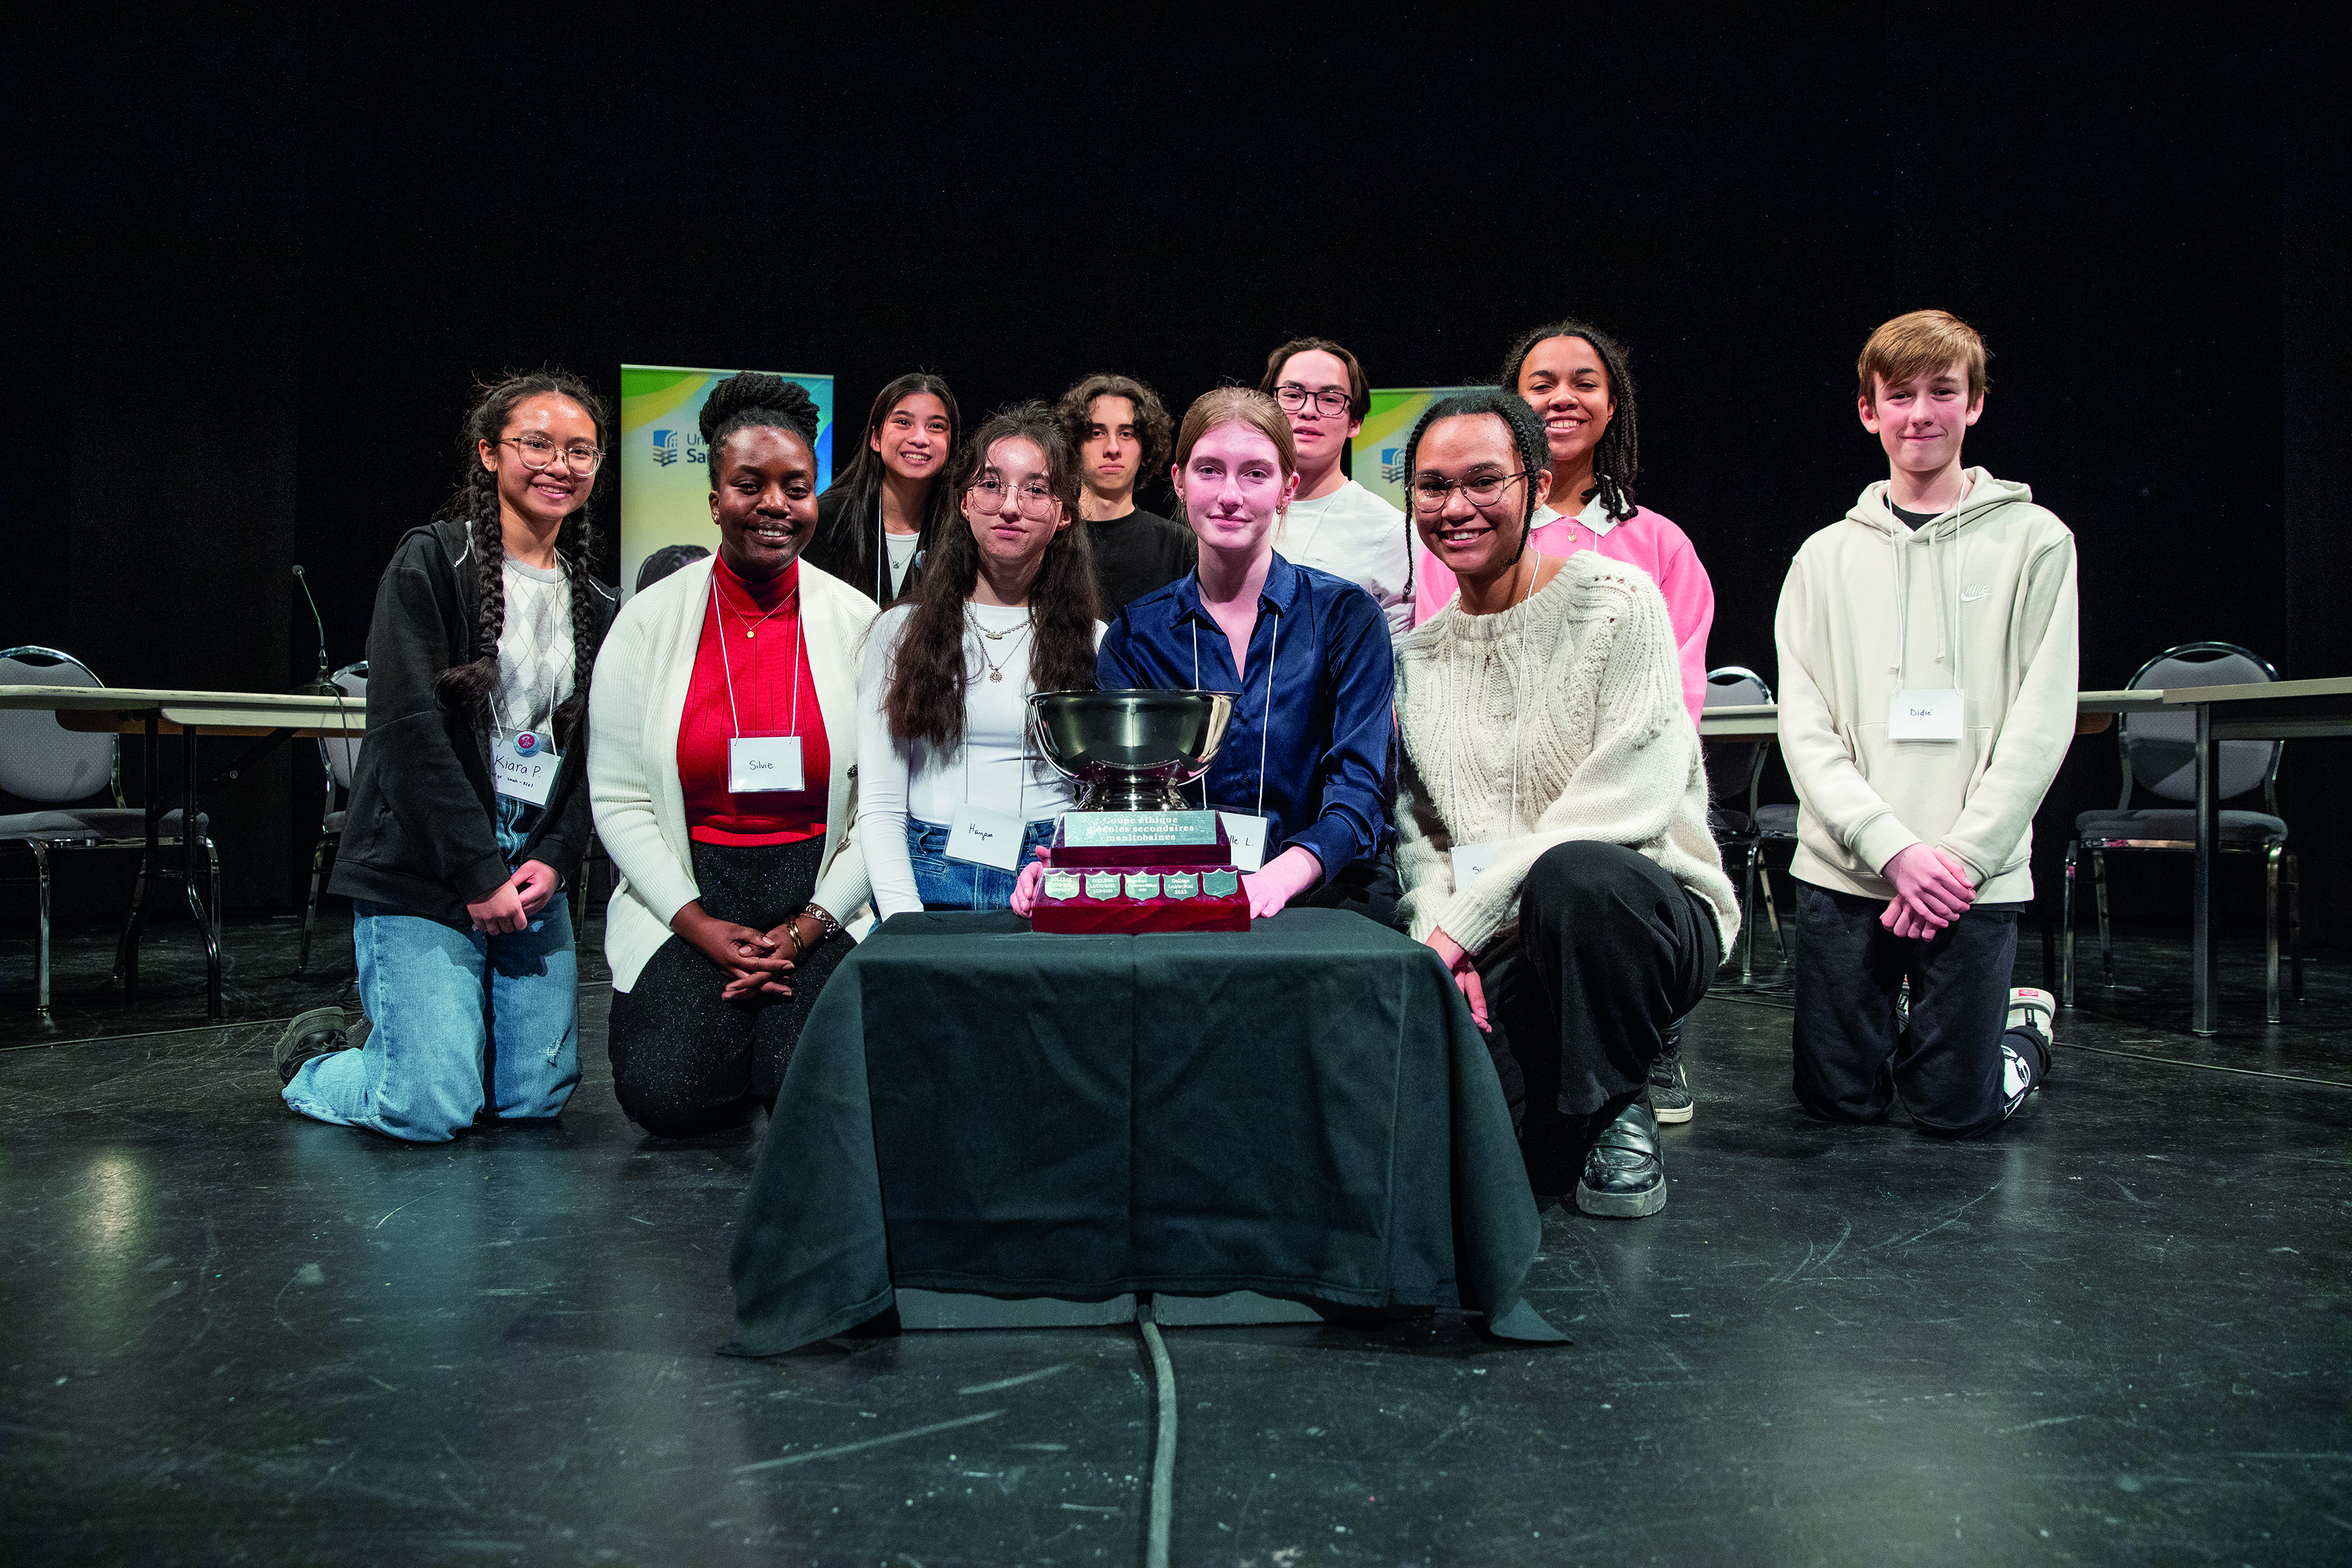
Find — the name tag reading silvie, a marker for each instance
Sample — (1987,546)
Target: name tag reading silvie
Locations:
(1245,832)
(524,763)
(1471,860)
(759,764)
(985,838)
(1937,713)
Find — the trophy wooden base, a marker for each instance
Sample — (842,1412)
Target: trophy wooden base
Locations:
(1129,888)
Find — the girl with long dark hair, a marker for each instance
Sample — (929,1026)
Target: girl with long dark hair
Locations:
(885,511)
(468,808)
(955,796)
(725,784)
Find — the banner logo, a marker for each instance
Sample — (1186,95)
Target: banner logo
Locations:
(665,447)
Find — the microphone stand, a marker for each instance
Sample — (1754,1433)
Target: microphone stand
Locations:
(319,685)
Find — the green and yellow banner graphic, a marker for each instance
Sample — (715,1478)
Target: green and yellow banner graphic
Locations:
(1376,454)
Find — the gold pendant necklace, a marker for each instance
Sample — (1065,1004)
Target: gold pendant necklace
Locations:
(996,670)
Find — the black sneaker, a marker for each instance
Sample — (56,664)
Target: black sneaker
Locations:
(1670,1090)
(314,1033)
(1624,1176)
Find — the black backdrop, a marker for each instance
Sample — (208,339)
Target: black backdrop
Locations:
(257,267)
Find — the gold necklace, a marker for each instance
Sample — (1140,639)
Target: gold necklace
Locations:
(752,627)
(996,671)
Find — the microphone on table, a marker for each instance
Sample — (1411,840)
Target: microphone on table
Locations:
(319,685)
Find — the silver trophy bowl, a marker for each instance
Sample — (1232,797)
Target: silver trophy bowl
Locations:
(1131,751)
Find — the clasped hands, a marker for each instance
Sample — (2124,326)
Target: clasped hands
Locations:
(1932,889)
(1269,889)
(752,959)
(514,903)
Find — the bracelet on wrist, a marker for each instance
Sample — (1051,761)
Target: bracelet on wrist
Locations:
(828,928)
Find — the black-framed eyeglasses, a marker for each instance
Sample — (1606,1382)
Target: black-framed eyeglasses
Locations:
(538,452)
(1331,402)
(1429,491)
(1034,501)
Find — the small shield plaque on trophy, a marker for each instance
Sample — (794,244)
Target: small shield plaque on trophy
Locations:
(1140,885)
(1102,885)
(1220,884)
(1180,884)
(1060,885)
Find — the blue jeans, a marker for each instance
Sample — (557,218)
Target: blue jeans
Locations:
(433,1060)
(946,884)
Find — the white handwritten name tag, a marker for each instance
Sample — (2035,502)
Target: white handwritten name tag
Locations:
(1936,714)
(759,763)
(986,838)
(1245,832)
(1471,860)
(524,761)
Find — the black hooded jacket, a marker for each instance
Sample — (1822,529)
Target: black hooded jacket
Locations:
(420,835)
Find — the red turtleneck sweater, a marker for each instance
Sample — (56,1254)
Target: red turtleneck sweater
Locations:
(762,665)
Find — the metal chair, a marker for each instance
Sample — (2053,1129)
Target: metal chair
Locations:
(42,761)
(2159,755)
(341,754)
(1733,771)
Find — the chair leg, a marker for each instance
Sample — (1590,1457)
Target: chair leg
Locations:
(2270,934)
(41,983)
(126,952)
(311,910)
(2106,937)
(2295,924)
(1747,908)
(1772,910)
(2067,939)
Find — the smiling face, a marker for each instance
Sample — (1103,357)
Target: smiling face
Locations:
(1109,455)
(1921,420)
(764,501)
(914,437)
(1011,539)
(1233,488)
(1473,541)
(1321,437)
(546,497)
(1564,383)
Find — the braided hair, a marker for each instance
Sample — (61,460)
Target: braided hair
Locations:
(930,671)
(467,689)
(1526,434)
(1617,456)
(756,400)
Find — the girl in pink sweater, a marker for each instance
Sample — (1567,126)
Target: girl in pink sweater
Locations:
(1574,377)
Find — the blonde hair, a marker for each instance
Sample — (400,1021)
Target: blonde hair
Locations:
(1223,406)
(1921,341)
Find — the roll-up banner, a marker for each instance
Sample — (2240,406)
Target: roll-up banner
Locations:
(665,469)
(1376,454)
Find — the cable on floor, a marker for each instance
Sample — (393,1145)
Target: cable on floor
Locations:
(1163,1444)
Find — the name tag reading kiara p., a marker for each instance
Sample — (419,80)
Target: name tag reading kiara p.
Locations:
(1937,713)
(985,838)
(757,765)
(524,763)
(1471,860)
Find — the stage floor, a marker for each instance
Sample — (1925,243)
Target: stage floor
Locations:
(2116,1332)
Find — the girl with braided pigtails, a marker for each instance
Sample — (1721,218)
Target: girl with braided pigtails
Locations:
(469,807)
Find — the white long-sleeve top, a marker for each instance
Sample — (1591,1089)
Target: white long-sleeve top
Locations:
(1559,719)
(996,767)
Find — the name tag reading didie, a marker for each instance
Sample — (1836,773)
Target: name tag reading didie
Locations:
(757,765)
(524,763)
(985,838)
(1470,860)
(1245,832)
(1937,713)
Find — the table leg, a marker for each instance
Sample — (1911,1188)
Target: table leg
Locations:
(2203,970)
(189,838)
(126,953)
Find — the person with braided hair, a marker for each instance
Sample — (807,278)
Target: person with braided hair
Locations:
(1575,377)
(1552,810)
(724,783)
(467,811)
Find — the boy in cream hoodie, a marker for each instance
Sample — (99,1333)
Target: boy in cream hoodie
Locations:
(1927,677)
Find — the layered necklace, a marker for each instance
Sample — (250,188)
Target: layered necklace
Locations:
(996,666)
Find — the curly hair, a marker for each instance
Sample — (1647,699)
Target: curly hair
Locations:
(1526,434)
(855,534)
(1359,392)
(756,400)
(467,689)
(1617,456)
(931,672)
(1152,428)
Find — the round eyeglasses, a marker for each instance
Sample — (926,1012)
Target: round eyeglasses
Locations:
(988,496)
(1331,402)
(538,452)
(1429,493)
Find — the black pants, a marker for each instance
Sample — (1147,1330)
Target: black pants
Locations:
(685,1061)
(1853,1058)
(1370,888)
(1610,950)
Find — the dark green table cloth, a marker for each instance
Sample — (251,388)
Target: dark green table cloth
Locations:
(1304,1109)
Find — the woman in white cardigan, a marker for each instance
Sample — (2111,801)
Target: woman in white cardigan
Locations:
(724,783)
(1552,810)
